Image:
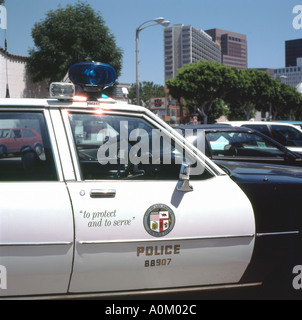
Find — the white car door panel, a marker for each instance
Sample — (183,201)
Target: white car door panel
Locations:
(36,220)
(209,244)
(36,238)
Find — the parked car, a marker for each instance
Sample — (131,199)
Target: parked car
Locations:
(288,135)
(275,193)
(273,189)
(239,144)
(15,140)
(295,123)
(107,214)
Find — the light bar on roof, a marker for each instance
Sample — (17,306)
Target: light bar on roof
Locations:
(92,77)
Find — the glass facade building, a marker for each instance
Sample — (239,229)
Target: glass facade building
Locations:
(186,44)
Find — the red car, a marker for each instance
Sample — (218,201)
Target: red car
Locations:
(14,140)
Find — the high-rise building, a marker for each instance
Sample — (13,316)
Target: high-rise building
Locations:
(233,47)
(293,50)
(186,44)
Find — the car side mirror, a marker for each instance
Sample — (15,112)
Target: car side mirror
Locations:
(184,177)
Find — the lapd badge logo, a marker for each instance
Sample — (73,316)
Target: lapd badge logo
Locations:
(159,220)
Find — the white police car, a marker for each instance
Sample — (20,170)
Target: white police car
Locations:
(108,206)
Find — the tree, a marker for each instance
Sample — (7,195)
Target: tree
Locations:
(294,101)
(253,91)
(285,101)
(69,35)
(147,90)
(298,111)
(201,84)
(2,2)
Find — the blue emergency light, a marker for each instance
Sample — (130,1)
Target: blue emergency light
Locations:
(92,77)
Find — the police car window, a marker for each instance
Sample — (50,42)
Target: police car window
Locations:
(125,147)
(242,144)
(25,152)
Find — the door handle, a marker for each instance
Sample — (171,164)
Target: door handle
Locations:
(102,193)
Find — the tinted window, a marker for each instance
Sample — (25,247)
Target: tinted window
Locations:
(261,128)
(287,135)
(23,159)
(241,144)
(122,147)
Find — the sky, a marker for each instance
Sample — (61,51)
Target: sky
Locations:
(267,24)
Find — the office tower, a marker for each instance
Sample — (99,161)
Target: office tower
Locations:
(293,50)
(233,47)
(186,44)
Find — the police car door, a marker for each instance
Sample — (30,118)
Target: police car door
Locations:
(36,222)
(136,225)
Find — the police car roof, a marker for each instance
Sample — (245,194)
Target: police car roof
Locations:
(109,104)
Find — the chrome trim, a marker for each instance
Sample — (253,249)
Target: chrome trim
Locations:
(258,235)
(63,147)
(35,244)
(102,193)
(163,239)
(141,293)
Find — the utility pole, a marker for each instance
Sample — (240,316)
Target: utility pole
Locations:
(158,21)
